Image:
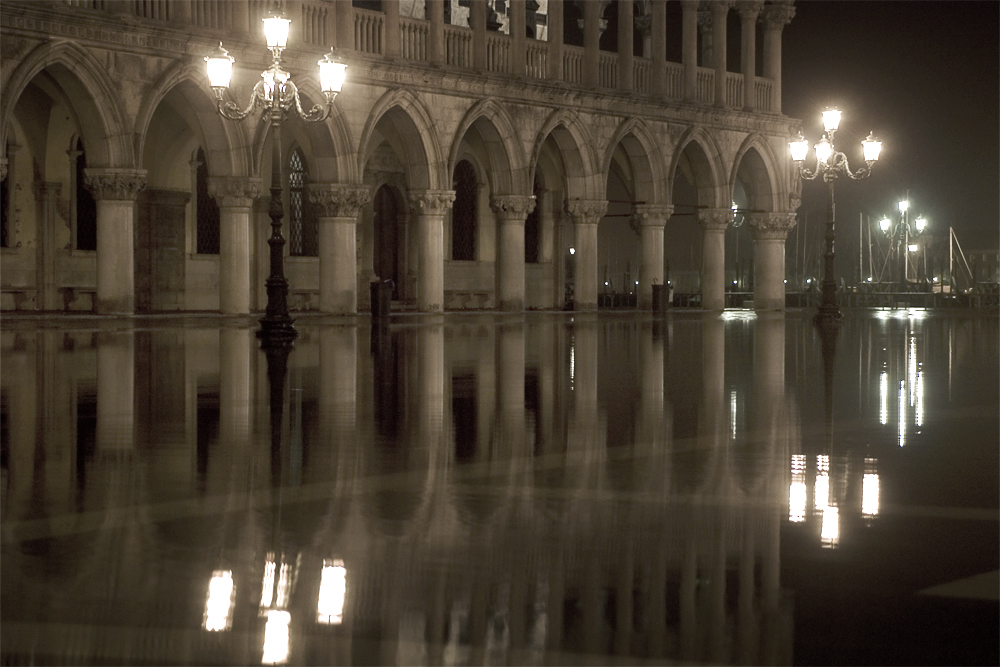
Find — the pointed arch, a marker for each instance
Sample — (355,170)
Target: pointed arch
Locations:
(764,177)
(411,118)
(574,140)
(640,147)
(508,171)
(100,109)
(716,192)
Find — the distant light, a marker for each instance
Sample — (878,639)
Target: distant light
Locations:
(786,281)
(605,284)
(884,224)
(869,278)
(734,282)
(637,282)
(921,223)
(913,247)
(903,205)
(572,250)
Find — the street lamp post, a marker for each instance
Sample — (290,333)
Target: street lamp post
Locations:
(831,163)
(899,234)
(277,96)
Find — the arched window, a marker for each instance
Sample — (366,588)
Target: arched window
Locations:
(532,227)
(463,212)
(86,207)
(208,212)
(303,236)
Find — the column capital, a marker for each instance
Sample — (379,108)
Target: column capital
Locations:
(777,14)
(602,24)
(719,6)
(586,211)
(115,184)
(644,24)
(654,215)
(771,226)
(337,200)
(714,219)
(749,9)
(430,202)
(690,4)
(47,189)
(234,191)
(512,208)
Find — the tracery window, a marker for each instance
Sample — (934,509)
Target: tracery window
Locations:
(86,206)
(303,234)
(207,212)
(463,212)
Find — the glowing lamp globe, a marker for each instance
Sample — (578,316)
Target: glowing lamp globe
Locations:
(884,225)
(331,74)
(921,224)
(903,205)
(871,148)
(220,68)
(799,147)
(276,31)
(831,120)
(824,149)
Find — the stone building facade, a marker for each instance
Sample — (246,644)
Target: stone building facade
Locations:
(469,167)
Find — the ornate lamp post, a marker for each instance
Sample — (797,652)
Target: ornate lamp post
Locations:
(831,163)
(899,234)
(277,96)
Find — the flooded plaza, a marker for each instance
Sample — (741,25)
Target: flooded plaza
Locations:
(475,488)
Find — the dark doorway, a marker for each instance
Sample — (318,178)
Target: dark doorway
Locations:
(388,226)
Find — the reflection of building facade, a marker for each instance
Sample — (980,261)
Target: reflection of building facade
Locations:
(461,163)
(490,502)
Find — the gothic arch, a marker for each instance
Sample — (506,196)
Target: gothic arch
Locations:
(575,141)
(99,108)
(412,122)
(756,165)
(639,145)
(707,166)
(507,172)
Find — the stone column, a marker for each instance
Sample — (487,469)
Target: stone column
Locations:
(477,19)
(517,37)
(436,49)
(626,68)
(749,10)
(115,390)
(719,12)
(592,43)
(393,48)
(651,219)
(555,23)
(511,212)
(235,196)
(689,47)
(658,53)
(510,387)
(47,200)
(338,207)
(769,232)
(586,214)
(775,16)
(115,191)
(713,222)
(428,208)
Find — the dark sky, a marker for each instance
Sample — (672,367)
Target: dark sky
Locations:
(924,77)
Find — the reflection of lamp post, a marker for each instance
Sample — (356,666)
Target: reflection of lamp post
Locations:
(899,234)
(276,95)
(831,163)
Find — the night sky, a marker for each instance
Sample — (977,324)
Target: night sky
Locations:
(923,76)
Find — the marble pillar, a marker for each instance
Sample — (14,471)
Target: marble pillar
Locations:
(769,232)
(713,222)
(428,208)
(586,214)
(689,48)
(625,46)
(47,202)
(774,16)
(719,9)
(651,219)
(511,212)
(235,196)
(115,191)
(338,207)
(592,43)
(749,11)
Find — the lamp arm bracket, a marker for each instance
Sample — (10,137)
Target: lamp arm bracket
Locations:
(232,112)
(807,175)
(316,114)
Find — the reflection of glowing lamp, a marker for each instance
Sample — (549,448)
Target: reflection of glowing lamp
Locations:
(830,532)
(332,589)
(797,490)
(276,637)
(869,495)
(219,605)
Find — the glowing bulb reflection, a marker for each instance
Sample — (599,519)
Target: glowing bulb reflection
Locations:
(821,489)
(267,588)
(830,532)
(797,490)
(276,637)
(219,604)
(884,394)
(332,589)
(869,494)
(902,413)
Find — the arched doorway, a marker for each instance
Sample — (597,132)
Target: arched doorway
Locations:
(388,224)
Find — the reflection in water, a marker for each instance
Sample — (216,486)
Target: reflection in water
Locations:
(506,490)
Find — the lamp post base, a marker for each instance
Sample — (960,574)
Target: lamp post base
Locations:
(276,333)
